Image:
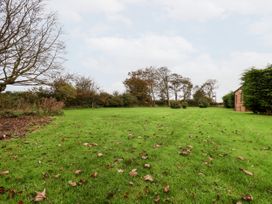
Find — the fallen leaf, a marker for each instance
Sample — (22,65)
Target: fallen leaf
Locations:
(40,196)
(157,146)
(57,176)
(118,160)
(94,175)
(131,183)
(148,178)
(189,146)
(2,190)
(157,199)
(133,173)
(241,158)
(77,172)
(11,193)
(3,173)
(144,157)
(99,154)
(148,166)
(248,198)
(120,171)
(185,152)
(72,183)
(246,172)
(90,144)
(166,189)
(82,181)
(210,159)
(126,195)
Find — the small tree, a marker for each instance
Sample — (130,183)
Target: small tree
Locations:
(228,100)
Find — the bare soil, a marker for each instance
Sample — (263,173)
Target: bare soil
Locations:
(20,126)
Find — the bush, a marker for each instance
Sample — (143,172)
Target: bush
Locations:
(50,106)
(203,104)
(184,104)
(229,100)
(175,104)
(257,90)
(28,104)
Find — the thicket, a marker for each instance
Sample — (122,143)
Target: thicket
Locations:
(229,100)
(257,90)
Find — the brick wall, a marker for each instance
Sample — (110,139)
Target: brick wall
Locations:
(239,104)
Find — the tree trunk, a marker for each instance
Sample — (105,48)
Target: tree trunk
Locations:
(2,88)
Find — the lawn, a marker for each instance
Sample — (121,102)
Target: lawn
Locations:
(221,148)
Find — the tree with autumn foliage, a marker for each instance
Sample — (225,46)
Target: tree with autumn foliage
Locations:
(139,88)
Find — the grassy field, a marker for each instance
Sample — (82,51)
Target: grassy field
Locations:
(129,139)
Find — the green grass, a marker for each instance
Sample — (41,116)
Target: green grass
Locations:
(221,134)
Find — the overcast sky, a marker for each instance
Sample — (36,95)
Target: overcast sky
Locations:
(200,39)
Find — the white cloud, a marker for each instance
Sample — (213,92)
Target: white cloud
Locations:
(199,10)
(203,10)
(118,56)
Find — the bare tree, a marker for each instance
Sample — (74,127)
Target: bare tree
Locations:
(209,88)
(30,45)
(186,88)
(164,79)
(176,82)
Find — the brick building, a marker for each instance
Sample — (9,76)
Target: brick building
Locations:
(239,103)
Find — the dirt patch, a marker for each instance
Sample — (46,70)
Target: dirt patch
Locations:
(19,126)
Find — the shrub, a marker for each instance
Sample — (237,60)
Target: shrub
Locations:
(50,106)
(257,90)
(184,104)
(203,104)
(229,100)
(175,104)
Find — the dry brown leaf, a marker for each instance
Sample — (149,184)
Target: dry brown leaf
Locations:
(90,144)
(148,178)
(185,152)
(40,196)
(144,157)
(248,198)
(2,190)
(94,175)
(166,189)
(72,183)
(120,171)
(210,159)
(148,166)
(189,146)
(133,173)
(157,146)
(157,199)
(99,154)
(241,158)
(246,172)
(3,173)
(77,172)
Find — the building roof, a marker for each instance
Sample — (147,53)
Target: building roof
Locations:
(238,89)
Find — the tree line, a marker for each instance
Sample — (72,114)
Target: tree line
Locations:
(144,87)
